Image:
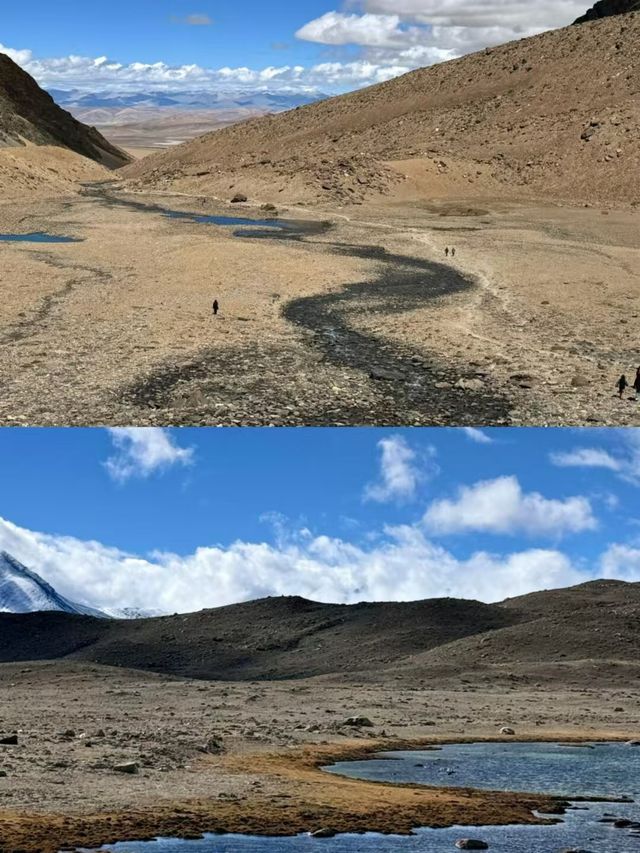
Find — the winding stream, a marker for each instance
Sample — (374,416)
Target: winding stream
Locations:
(401,283)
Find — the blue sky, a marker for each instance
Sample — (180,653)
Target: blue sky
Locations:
(319,46)
(187,518)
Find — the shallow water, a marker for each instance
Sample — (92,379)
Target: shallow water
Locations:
(597,770)
(36,237)
(606,769)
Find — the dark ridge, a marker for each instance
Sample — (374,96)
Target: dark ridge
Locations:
(609,8)
(288,638)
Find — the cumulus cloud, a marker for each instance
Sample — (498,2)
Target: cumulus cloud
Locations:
(404,565)
(477,435)
(336,28)
(500,506)
(621,562)
(422,32)
(142,452)
(399,473)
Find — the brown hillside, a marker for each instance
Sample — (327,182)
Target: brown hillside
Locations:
(29,115)
(586,627)
(557,115)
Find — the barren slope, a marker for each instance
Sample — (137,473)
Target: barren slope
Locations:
(293,638)
(29,114)
(555,115)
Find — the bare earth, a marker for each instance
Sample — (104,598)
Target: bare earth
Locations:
(75,722)
(364,323)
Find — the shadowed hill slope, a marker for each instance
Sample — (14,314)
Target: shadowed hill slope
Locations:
(294,638)
(607,8)
(29,115)
(556,115)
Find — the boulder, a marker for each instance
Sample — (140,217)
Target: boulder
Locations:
(359,722)
(507,730)
(129,767)
(471,844)
(9,740)
(239,198)
(323,833)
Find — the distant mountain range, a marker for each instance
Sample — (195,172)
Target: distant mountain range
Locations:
(263,101)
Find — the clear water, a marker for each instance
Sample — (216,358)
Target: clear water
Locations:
(597,770)
(36,237)
(245,227)
(607,769)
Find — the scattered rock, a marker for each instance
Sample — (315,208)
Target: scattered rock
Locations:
(359,722)
(323,833)
(129,767)
(239,198)
(9,740)
(384,375)
(507,730)
(470,384)
(580,382)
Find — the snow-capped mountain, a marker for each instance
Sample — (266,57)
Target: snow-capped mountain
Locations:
(23,591)
(198,100)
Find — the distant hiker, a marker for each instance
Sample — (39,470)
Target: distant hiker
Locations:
(446,252)
(453,253)
(636,384)
(216,307)
(622,385)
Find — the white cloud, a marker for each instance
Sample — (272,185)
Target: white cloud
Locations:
(196,20)
(500,506)
(624,459)
(404,566)
(517,15)
(399,474)
(336,28)
(621,562)
(140,452)
(586,458)
(477,435)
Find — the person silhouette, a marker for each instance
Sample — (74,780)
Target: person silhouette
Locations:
(446,252)
(636,384)
(622,385)
(216,307)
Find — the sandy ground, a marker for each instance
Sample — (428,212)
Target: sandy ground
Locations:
(75,723)
(532,323)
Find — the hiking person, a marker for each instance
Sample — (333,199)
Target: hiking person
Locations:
(636,384)
(446,252)
(453,253)
(622,385)
(216,307)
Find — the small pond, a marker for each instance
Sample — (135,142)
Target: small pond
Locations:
(36,237)
(594,770)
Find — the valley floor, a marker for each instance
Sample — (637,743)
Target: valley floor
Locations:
(366,323)
(76,722)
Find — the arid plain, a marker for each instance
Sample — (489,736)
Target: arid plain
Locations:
(365,322)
